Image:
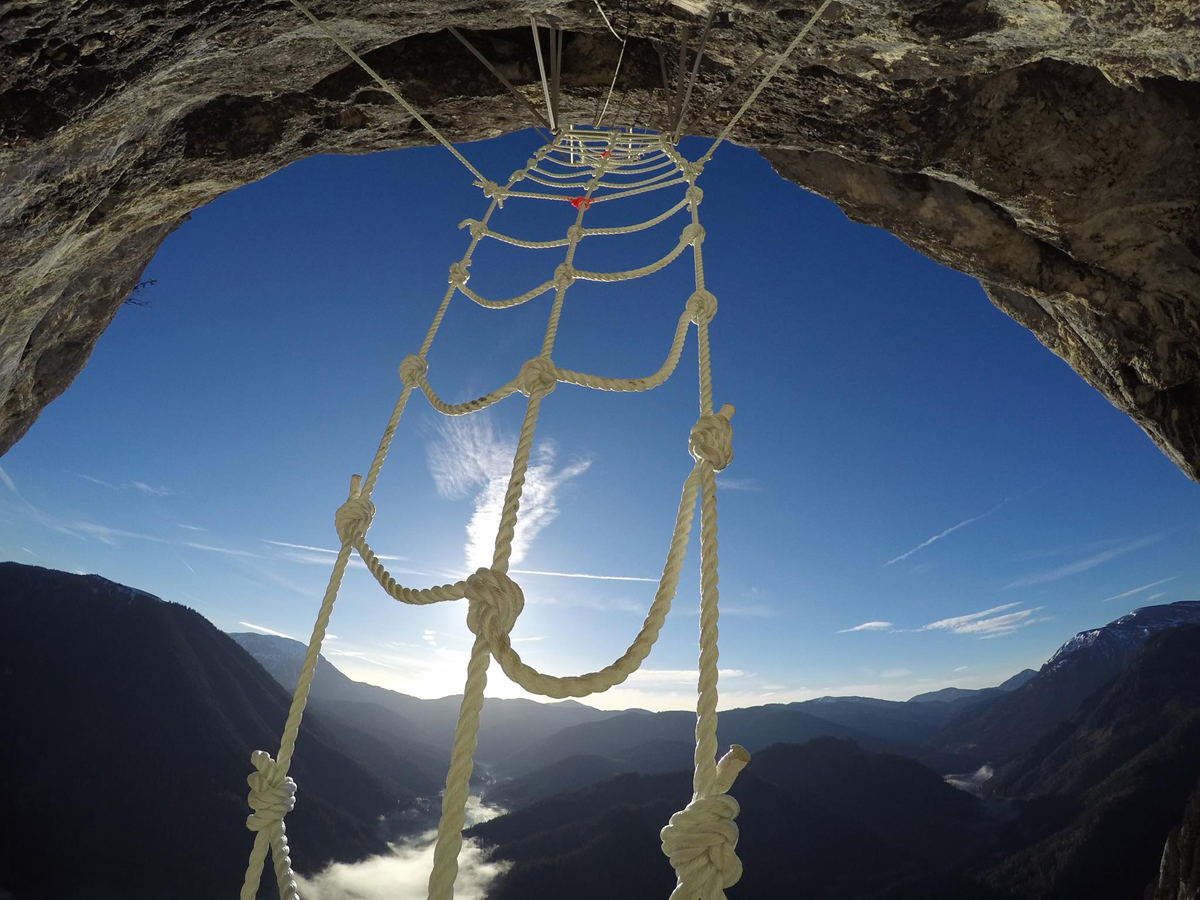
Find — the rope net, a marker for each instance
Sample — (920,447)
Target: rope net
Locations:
(581,167)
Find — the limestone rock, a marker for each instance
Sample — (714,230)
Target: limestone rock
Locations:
(1048,147)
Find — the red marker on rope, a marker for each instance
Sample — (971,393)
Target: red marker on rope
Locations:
(581,202)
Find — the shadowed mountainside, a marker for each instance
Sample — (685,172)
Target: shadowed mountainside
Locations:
(128,724)
(132,720)
(1103,790)
(999,727)
(1179,871)
(825,819)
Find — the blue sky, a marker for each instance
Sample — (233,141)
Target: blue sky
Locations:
(922,495)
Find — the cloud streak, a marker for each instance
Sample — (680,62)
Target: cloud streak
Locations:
(868,626)
(1138,590)
(953,528)
(1083,565)
(470,459)
(583,575)
(311,549)
(140,486)
(263,629)
(738,484)
(988,623)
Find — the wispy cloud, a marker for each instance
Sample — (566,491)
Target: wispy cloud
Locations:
(1156,596)
(357,654)
(993,622)
(225,550)
(895,673)
(150,489)
(190,527)
(961,668)
(140,486)
(312,549)
(953,528)
(1064,550)
(1083,565)
(583,575)
(265,630)
(738,484)
(102,533)
(868,626)
(469,458)
(8,482)
(1138,590)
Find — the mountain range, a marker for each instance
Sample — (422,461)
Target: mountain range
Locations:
(999,727)
(128,723)
(1080,815)
(424,728)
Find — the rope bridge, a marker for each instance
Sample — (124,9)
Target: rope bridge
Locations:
(580,166)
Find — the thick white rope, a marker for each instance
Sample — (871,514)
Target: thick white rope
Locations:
(771,72)
(537,46)
(488,590)
(270,834)
(383,83)
(701,838)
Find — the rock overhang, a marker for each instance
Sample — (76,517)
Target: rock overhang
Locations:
(1047,148)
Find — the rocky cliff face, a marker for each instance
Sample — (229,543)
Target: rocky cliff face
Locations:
(1179,871)
(1047,147)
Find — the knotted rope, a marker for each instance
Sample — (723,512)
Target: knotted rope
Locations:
(701,839)
(272,796)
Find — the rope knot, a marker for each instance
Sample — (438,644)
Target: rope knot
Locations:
(458,274)
(478,229)
(412,369)
(694,195)
(493,602)
(711,439)
(692,234)
(691,170)
(575,234)
(537,376)
(701,306)
(493,191)
(353,518)
(272,793)
(701,839)
(564,276)
(581,202)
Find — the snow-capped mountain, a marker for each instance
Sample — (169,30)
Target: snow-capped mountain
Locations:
(1117,641)
(998,729)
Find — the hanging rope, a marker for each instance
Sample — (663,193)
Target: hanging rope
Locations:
(499,76)
(771,72)
(700,839)
(379,79)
